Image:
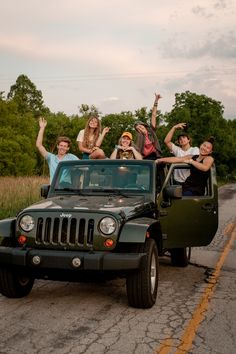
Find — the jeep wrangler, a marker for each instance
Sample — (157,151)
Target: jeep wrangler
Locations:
(109,218)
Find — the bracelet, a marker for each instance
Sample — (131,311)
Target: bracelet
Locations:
(155,104)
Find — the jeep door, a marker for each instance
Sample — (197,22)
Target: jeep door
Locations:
(188,221)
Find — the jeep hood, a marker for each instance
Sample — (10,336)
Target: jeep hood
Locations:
(126,206)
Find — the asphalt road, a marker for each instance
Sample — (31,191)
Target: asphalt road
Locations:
(195,311)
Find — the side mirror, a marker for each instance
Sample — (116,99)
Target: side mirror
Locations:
(44,190)
(173,192)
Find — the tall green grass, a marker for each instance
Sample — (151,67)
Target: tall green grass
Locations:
(17,193)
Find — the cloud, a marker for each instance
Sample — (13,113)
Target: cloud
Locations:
(221,4)
(222,47)
(111,99)
(109,55)
(211,9)
(202,11)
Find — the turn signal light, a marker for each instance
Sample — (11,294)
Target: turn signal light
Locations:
(22,239)
(108,242)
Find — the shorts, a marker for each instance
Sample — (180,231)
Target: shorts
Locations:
(85,156)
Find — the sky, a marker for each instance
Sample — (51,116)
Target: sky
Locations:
(115,54)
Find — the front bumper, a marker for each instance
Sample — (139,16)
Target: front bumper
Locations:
(53,259)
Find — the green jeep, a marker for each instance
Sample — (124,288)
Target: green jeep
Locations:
(109,218)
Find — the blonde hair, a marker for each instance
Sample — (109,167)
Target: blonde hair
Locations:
(96,132)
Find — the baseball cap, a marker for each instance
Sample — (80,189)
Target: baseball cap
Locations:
(128,134)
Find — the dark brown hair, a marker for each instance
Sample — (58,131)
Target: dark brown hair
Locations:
(187,136)
(211,140)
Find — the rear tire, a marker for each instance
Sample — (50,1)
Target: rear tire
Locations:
(179,257)
(15,284)
(142,284)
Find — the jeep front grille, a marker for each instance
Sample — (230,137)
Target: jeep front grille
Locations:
(65,231)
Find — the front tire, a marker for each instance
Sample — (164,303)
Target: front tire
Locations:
(142,284)
(180,257)
(15,284)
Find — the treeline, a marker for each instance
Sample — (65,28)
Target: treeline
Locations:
(21,107)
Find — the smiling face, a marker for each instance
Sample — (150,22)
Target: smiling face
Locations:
(93,123)
(125,141)
(183,140)
(63,148)
(206,148)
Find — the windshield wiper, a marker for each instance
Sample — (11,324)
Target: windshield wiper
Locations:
(88,191)
(108,191)
(76,191)
(117,192)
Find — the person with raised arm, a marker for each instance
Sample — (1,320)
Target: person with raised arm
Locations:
(63,145)
(184,149)
(147,141)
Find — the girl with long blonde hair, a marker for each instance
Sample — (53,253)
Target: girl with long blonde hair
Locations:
(90,139)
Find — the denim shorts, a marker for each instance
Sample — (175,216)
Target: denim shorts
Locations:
(85,156)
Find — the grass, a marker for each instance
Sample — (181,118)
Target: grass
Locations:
(17,193)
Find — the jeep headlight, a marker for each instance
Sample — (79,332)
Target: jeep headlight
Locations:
(27,223)
(107,226)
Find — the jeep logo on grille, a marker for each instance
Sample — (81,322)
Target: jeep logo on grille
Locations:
(65,215)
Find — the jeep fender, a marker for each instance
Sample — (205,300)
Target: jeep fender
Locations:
(7,228)
(135,231)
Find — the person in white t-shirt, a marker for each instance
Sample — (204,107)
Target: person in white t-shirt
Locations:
(183,149)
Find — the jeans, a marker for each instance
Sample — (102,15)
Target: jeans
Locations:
(188,193)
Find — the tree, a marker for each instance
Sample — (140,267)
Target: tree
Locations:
(85,110)
(27,97)
(203,114)
(17,141)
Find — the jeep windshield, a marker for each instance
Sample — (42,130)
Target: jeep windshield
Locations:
(103,176)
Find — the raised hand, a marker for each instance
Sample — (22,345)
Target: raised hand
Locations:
(42,122)
(180,126)
(106,130)
(157,97)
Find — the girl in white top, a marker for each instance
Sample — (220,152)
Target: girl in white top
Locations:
(90,139)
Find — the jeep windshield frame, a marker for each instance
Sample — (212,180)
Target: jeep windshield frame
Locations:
(94,177)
